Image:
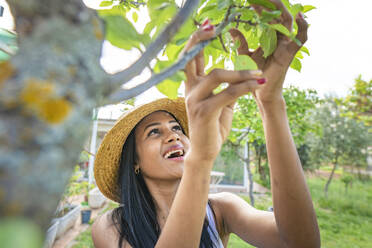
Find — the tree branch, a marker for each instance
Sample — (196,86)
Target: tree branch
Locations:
(154,48)
(244,21)
(124,94)
(221,41)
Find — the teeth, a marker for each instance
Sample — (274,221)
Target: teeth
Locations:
(167,155)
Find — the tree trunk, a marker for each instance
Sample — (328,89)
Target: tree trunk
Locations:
(47,93)
(250,176)
(261,169)
(48,90)
(330,177)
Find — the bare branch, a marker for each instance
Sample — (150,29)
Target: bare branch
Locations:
(154,48)
(221,41)
(124,94)
(244,21)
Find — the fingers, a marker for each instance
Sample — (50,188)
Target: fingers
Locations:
(199,63)
(228,96)
(218,76)
(293,47)
(243,47)
(206,33)
(286,17)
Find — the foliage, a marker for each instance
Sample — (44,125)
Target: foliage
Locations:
(8,43)
(28,233)
(342,139)
(84,240)
(258,29)
(344,220)
(299,104)
(358,103)
(347,179)
(73,188)
(228,162)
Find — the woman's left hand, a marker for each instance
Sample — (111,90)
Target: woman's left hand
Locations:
(210,115)
(276,65)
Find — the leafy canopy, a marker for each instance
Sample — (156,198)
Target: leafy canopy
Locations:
(259,31)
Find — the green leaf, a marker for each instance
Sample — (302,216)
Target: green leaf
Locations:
(135,16)
(105,3)
(247,14)
(121,33)
(244,62)
(281,28)
(223,4)
(169,88)
(296,64)
(268,41)
(117,10)
(268,16)
(172,51)
(299,55)
(19,232)
(295,9)
(207,8)
(307,8)
(305,50)
(252,37)
(264,3)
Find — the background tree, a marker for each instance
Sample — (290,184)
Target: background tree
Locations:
(358,103)
(54,80)
(342,140)
(299,105)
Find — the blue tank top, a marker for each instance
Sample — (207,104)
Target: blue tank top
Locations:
(212,229)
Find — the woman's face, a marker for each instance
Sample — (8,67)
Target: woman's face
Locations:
(161,146)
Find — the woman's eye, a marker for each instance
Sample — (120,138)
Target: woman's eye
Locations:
(177,128)
(153,131)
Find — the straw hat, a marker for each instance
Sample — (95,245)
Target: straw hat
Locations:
(106,164)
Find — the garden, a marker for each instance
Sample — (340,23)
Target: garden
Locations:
(52,79)
(345,219)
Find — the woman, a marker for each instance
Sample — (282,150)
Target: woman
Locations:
(156,161)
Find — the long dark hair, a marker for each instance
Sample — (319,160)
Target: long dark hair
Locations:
(136,218)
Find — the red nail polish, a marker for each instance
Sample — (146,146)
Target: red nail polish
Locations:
(209,27)
(261,80)
(206,22)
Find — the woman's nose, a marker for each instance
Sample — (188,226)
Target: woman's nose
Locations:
(172,136)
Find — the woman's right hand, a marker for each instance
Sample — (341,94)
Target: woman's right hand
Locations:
(210,115)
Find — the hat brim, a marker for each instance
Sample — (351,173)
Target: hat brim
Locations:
(106,164)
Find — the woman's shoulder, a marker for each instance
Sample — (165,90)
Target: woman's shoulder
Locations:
(224,199)
(225,205)
(104,232)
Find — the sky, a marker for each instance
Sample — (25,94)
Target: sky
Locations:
(340,44)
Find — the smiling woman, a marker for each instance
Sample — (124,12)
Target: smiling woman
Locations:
(157,159)
(150,169)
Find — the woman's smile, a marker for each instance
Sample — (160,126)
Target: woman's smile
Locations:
(161,146)
(175,153)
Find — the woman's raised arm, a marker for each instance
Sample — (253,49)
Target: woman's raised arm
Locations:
(293,209)
(210,119)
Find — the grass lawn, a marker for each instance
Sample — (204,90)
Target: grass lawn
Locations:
(345,220)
